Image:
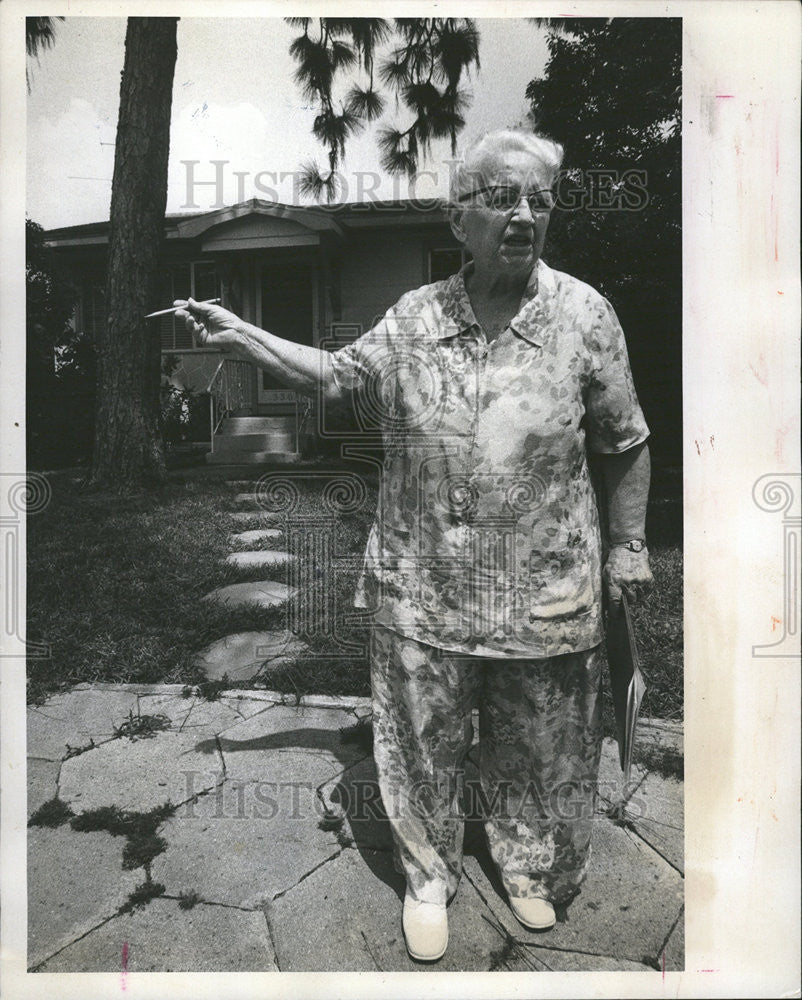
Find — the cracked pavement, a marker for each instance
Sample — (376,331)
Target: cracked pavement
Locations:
(277,855)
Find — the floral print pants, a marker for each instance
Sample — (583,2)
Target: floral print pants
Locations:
(539,749)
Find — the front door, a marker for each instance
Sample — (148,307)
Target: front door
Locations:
(287,310)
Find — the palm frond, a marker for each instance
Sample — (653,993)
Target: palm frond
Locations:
(333,129)
(394,152)
(367,33)
(457,50)
(342,55)
(394,70)
(420,97)
(40,34)
(366,103)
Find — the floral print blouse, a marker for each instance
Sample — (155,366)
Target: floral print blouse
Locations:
(486,539)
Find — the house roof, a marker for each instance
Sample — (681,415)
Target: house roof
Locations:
(336,219)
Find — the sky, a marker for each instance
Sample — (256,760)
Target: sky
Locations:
(234,100)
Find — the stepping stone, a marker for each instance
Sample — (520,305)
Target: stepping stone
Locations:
(265,593)
(261,559)
(247,498)
(259,516)
(252,537)
(245,654)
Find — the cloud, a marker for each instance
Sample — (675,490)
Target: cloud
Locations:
(68,170)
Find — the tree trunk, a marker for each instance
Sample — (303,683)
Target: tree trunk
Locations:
(128,450)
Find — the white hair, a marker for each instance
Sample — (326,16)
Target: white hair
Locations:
(472,171)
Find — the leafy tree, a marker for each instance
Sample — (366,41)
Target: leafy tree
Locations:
(611,94)
(59,397)
(423,70)
(128,449)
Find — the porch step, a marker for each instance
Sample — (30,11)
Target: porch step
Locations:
(254,441)
(257,425)
(251,457)
(272,441)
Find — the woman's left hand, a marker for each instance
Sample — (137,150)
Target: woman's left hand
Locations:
(628,572)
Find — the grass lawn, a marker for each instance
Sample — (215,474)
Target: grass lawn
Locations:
(115,587)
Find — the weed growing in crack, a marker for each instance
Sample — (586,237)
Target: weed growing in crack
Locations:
(141,727)
(142,895)
(503,954)
(140,851)
(75,751)
(139,828)
(331,821)
(665,761)
(343,839)
(187,900)
(55,812)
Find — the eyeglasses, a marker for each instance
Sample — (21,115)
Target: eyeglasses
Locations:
(507,199)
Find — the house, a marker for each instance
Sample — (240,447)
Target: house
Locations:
(318,274)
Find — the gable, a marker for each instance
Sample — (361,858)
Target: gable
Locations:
(252,231)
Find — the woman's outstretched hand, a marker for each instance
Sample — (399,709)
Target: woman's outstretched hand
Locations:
(211,325)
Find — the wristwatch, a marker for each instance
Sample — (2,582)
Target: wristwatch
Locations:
(634,545)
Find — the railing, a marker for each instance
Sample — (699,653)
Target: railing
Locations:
(231,388)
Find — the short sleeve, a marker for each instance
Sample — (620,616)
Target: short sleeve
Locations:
(356,363)
(614,419)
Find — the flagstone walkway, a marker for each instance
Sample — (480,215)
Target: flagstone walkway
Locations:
(269,850)
(168,833)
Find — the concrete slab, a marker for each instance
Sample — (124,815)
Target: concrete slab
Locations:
(75,881)
(194,715)
(656,809)
(354,794)
(285,737)
(259,559)
(244,539)
(243,655)
(675,948)
(347,916)
(612,787)
(626,909)
(42,782)
(243,843)
(141,774)
(530,958)
(75,718)
(264,593)
(164,938)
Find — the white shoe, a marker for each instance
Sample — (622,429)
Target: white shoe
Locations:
(425,929)
(536,914)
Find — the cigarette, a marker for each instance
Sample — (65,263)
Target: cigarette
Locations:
(166,312)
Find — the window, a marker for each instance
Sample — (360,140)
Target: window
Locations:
(445,261)
(198,279)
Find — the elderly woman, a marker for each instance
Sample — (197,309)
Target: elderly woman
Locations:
(483,569)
